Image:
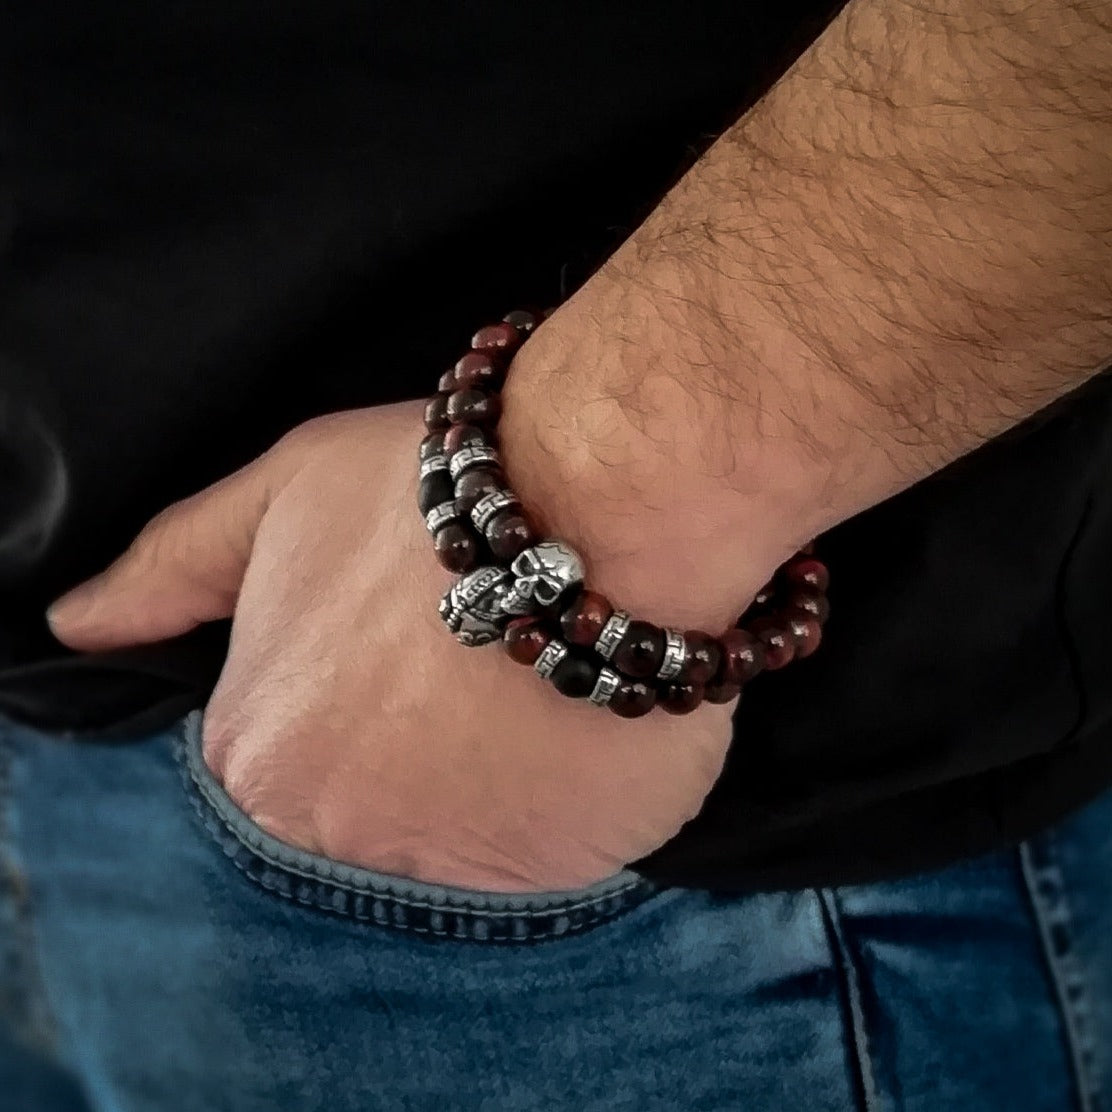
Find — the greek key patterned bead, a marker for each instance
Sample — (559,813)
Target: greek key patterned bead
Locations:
(612,633)
(433,463)
(489,505)
(551,655)
(439,516)
(482,455)
(608,682)
(674,652)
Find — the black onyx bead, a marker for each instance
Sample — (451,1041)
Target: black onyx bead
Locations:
(679,697)
(508,534)
(575,677)
(641,651)
(473,484)
(434,488)
(632,699)
(436,413)
(447,381)
(456,547)
(432,445)
(474,407)
(523,320)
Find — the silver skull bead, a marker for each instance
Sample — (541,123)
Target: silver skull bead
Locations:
(541,575)
(471,607)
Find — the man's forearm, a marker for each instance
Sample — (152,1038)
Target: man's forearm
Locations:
(903,250)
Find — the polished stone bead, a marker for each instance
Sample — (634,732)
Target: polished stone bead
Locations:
(524,320)
(632,699)
(721,692)
(806,572)
(679,697)
(524,640)
(478,369)
(575,676)
(802,605)
(501,338)
(473,484)
(806,635)
(702,657)
(435,488)
(457,548)
(474,407)
(447,382)
(743,657)
(779,644)
(640,651)
(509,534)
(465,436)
(432,445)
(436,413)
(583,620)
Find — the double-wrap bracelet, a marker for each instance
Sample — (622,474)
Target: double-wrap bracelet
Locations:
(528,592)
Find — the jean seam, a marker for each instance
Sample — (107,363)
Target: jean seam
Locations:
(849,978)
(1044,883)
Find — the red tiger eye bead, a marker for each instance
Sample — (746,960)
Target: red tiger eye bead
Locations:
(803,606)
(474,407)
(808,573)
(721,692)
(583,620)
(641,651)
(743,657)
(806,634)
(501,337)
(464,436)
(436,413)
(508,534)
(524,640)
(779,644)
(702,657)
(456,547)
(632,699)
(474,483)
(477,368)
(680,697)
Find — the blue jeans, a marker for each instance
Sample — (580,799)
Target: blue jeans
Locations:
(160,952)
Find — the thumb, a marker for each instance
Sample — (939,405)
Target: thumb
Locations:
(184,568)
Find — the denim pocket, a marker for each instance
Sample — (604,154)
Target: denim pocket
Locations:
(397,902)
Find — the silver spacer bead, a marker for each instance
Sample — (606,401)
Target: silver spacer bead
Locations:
(551,655)
(489,505)
(612,633)
(433,463)
(440,515)
(472,456)
(608,682)
(674,653)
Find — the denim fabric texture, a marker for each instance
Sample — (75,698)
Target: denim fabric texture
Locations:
(161,953)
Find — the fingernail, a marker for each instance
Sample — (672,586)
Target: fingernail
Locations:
(71,608)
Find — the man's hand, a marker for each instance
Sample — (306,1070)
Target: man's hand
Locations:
(348,721)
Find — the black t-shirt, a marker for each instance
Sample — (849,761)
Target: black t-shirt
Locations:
(219,220)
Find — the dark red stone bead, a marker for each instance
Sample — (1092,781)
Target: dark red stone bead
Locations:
(640,652)
(806,635)
(474,407)
(721,692)
(447,381)
(477,368)
(632,699)
(434,488)
(583,620)
(436,413)
(743,657)
(473,484)
(524,639)
(702,656)
(524,320)
(464,436)
(457,548)
(802,605)
(575,676)
(432,445)
(806,572)
(508,533)
(779,644)
(501,338)
(679,697)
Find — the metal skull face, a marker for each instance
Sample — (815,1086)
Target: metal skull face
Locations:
(541,575)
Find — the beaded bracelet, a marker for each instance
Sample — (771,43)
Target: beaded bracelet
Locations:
(530,594)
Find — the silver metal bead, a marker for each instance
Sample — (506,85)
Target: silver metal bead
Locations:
(612,633)
(433,463)
(471,606)
(440,515)
(489,505)
(608,682)
(551,655)
(675,650)
(542,574)
(472,456)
